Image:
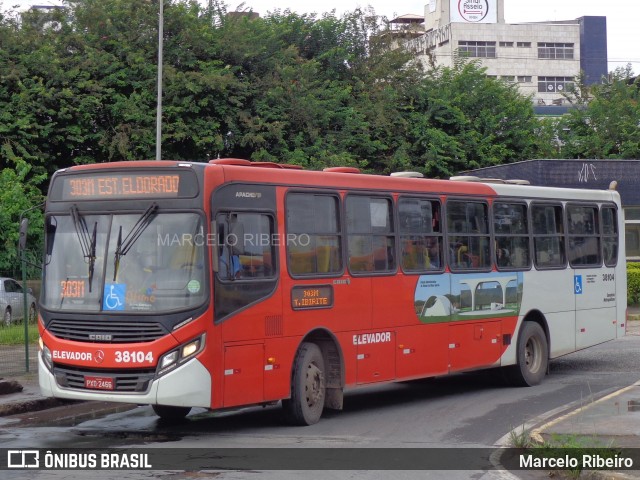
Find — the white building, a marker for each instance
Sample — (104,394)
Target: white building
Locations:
(542,58)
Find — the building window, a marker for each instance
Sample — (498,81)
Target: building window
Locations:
(555,50)
(506,44)
(525,79)
(508,78)
(523,44)
(632,232)
(477,49)
(554,84)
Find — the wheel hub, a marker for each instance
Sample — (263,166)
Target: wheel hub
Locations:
(313,385)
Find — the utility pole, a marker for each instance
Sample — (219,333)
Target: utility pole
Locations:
(159,102)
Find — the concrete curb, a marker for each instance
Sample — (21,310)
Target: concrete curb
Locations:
(25,406)
(62,414)
(562,413)
(536,434)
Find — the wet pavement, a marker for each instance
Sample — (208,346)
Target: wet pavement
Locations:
(611,420)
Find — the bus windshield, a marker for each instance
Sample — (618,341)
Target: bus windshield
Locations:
(124,263)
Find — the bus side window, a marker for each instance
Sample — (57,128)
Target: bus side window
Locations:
(548,236)
(609,236)
(313,234)
(469,238)
(511,231)
(246,251)
(371,239)
(420,235)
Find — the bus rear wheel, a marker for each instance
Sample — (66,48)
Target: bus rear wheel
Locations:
(170,413)
(532,356)
(308,389)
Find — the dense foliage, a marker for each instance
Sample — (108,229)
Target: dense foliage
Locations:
(605,120)
(633,283)
(79,86)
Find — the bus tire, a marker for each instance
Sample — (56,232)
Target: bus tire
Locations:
(170,413)
(532,356)
(308,387)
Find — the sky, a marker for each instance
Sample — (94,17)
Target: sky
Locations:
(623,35)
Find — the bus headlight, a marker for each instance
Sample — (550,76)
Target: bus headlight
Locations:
(190,348)
(46,354)
(169,359)
(184,352)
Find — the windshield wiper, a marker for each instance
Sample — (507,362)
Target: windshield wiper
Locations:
(125,245)
(87,242)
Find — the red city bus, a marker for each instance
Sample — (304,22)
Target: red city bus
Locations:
(235,283)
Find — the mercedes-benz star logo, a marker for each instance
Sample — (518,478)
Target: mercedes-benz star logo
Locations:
(99,356)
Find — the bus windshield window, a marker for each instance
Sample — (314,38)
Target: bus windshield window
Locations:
(162,269)
(67,269)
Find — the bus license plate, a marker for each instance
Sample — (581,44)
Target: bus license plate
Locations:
(99,383)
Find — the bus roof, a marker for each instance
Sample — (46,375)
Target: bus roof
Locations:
(240,170)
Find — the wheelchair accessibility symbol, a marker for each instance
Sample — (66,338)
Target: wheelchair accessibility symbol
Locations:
(577,284)
(113,298)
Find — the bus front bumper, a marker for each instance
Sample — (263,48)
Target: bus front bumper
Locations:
(189,385)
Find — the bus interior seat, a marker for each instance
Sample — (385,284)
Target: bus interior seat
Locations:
(301,261)
(543,257)
(519,257)
(462,256)
(323,258)
(183,256)
(414,256)
(362,263)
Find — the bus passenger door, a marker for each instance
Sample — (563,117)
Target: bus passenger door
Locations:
(594,287)
(595,296)
(243,374)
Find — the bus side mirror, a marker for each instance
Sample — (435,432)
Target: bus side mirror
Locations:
(22,239)
(214,258)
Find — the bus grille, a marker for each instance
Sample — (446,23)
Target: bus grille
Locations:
(119,332)
(129,381)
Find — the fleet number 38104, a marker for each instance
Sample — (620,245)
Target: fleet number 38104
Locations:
(133,357)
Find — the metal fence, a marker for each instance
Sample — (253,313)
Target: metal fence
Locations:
(18,323)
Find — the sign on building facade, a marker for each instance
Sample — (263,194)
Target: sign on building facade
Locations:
(474,11)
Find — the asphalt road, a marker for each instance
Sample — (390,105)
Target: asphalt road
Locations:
(469,410)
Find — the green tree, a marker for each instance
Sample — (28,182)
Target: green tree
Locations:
(19,194)
(605,122)
(463,119)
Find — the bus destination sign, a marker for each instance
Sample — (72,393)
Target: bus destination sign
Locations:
(311,296)
(121,185)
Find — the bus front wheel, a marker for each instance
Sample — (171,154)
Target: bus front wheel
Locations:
(533,356)
(308,388)
(167,412)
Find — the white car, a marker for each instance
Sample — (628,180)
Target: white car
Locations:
(12,301)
